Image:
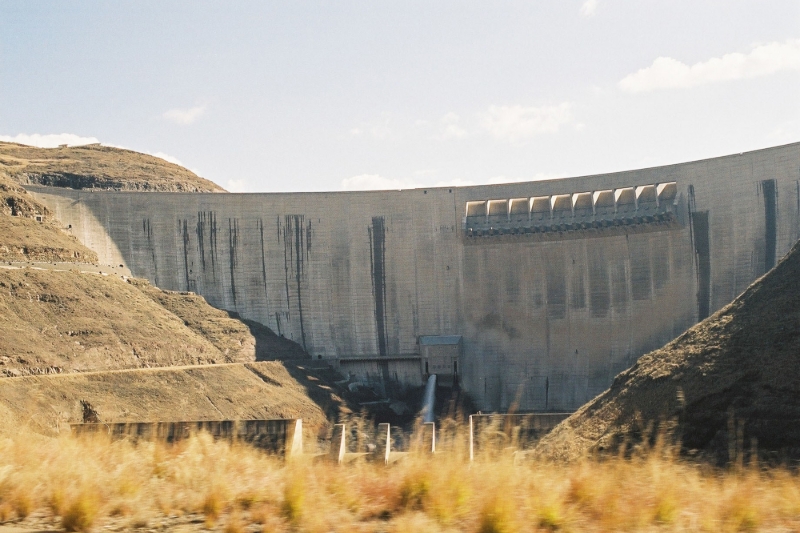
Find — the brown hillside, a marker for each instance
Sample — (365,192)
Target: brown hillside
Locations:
(82,167)
(733,379)
(23,237)
(66,332)
(212,392)
(224,329)
(54,321)
(64,321)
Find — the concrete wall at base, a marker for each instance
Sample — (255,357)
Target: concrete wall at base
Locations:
(547,318)
(283,436)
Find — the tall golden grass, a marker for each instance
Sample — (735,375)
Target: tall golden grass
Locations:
(84,484)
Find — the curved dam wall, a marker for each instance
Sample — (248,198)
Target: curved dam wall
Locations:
(555,286)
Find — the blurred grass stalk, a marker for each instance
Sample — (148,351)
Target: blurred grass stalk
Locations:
(80,483)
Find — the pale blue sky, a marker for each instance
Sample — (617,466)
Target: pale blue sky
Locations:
(280,96)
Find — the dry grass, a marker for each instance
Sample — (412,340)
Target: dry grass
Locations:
(265,390)
(103,167)
(85,484)
(69,321)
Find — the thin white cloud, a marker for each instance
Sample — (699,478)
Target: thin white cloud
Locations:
(167,157)
(516,123)
(236,185)
(380,129)
(669,73)
(589,8)
(184,116)
(455,182)
(495,180)
(449,127)
(421,179)
(52,140)
(376,182)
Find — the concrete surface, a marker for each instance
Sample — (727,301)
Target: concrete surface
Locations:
(561,291)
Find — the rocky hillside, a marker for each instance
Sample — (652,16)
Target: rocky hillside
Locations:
(69,318)
(68,321)
(73,321)
(730,382)
(28,232)
(75,338)
(103,167)
(228,332)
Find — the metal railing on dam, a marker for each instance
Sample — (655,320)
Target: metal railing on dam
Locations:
(629,261)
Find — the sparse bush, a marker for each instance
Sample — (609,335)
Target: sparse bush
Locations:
(212,507)
(80,514)
(234,524)
(293,499)
(496,516)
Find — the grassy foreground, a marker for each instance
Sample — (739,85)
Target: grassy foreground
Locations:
(92,484)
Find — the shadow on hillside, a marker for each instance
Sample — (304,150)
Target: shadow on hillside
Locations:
(320,386)
(317,377)
(269,346)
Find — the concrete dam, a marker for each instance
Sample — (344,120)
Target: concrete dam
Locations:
(542,291)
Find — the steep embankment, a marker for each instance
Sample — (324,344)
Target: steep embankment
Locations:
(72,321)
(28,232)
(730,379)
(229,333)
(69,321)
(82,167)
(56,322)
(67,329)
(221,392)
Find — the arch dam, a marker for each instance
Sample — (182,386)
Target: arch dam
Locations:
(554,286)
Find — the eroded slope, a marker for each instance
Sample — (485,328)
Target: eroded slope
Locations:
(54,321)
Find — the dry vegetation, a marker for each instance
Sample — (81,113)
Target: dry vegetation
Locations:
(81,167)
(55,322)
(63,321)
(266,390)
(83,484)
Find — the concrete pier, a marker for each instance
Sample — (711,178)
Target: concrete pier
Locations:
(554,286)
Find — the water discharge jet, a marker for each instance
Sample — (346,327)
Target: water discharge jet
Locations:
(429,400)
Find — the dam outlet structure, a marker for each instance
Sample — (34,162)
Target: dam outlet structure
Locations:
(535,294)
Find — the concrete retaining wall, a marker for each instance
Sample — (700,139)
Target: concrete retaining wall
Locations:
(554,291)
(283,436)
